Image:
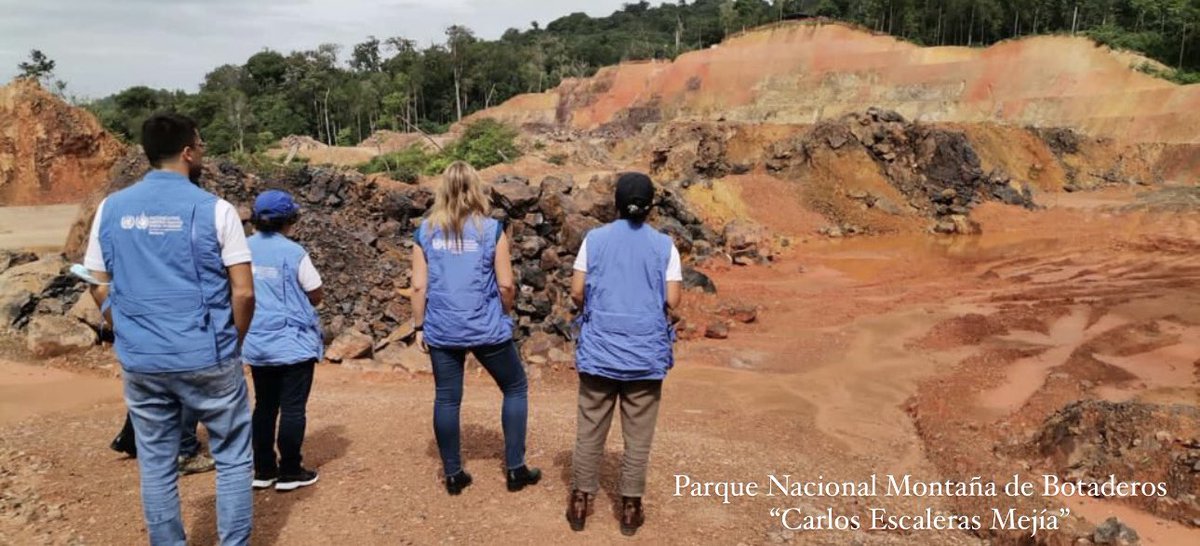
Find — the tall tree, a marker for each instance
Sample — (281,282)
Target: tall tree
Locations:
(459,39)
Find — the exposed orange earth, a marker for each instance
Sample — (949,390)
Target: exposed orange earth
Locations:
(1062,341)
(938,358)
(50,152)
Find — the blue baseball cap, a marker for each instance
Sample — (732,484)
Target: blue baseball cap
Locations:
(275,204)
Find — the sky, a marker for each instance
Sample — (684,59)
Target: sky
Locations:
(104,46)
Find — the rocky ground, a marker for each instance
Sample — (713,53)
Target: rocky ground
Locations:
(902,355)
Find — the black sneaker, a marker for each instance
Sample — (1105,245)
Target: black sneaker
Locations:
(289,482)
(456,483)
(264,480)
(518,478)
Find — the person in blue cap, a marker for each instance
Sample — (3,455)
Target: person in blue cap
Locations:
(627,277)
(284,343)
(463,290)
(180,302)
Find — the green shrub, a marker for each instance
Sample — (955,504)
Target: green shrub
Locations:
(405,165)
(1178,76)
(484,143)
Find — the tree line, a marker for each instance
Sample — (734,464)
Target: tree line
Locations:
(340,96)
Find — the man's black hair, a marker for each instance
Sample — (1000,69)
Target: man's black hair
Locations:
(166,134)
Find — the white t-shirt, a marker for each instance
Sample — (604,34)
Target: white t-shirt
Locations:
(230,235)
(674,266)
(309,278)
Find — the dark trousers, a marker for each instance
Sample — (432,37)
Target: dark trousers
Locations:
(280,393)
(504,364)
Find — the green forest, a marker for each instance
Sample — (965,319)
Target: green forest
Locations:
(341,95)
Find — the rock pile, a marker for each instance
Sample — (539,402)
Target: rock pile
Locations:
(358,231)
(1090,440)
(936,170)
(40,300)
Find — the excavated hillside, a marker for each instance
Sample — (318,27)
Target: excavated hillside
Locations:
(804,72)
(1057,342)
(50,151)
(758,126)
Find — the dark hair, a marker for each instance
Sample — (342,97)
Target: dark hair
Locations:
(166,134)
(272,224)
(634,197)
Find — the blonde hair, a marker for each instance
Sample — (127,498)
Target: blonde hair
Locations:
(459,197)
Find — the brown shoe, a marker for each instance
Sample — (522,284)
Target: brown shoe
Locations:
(632,515)
(577,510)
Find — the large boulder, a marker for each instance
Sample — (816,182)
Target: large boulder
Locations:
(574,229)
(13,258)
(407,358)
(958,224)
(1116,533)
(595,204)
(556,206)
(21,285)
(695,279)
(349,345)
(51,335)
(514,195)
(746,241)
(86,311)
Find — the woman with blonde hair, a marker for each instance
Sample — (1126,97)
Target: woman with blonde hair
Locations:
(463,291)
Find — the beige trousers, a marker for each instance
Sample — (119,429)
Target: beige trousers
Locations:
(598,396)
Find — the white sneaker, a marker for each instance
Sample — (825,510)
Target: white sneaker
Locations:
(263,481)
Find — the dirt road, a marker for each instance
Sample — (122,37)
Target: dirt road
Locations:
(42,228)
(875,356)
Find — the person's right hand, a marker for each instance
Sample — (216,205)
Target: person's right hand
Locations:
(421,343)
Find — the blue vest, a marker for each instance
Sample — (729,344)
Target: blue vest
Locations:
(624,331)
(170,290)
(463,307)
(286,328)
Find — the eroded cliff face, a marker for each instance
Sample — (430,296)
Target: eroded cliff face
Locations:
(806,72)
(50,151)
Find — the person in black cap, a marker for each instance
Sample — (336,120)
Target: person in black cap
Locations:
(284,342)
(627,276)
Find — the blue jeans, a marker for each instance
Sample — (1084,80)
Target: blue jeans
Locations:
(189,444)
(504,364)
(217,397)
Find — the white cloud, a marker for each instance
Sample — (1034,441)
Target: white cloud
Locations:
(104,46)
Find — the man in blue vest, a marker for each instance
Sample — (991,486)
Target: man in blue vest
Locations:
(180,301)
(627,275)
